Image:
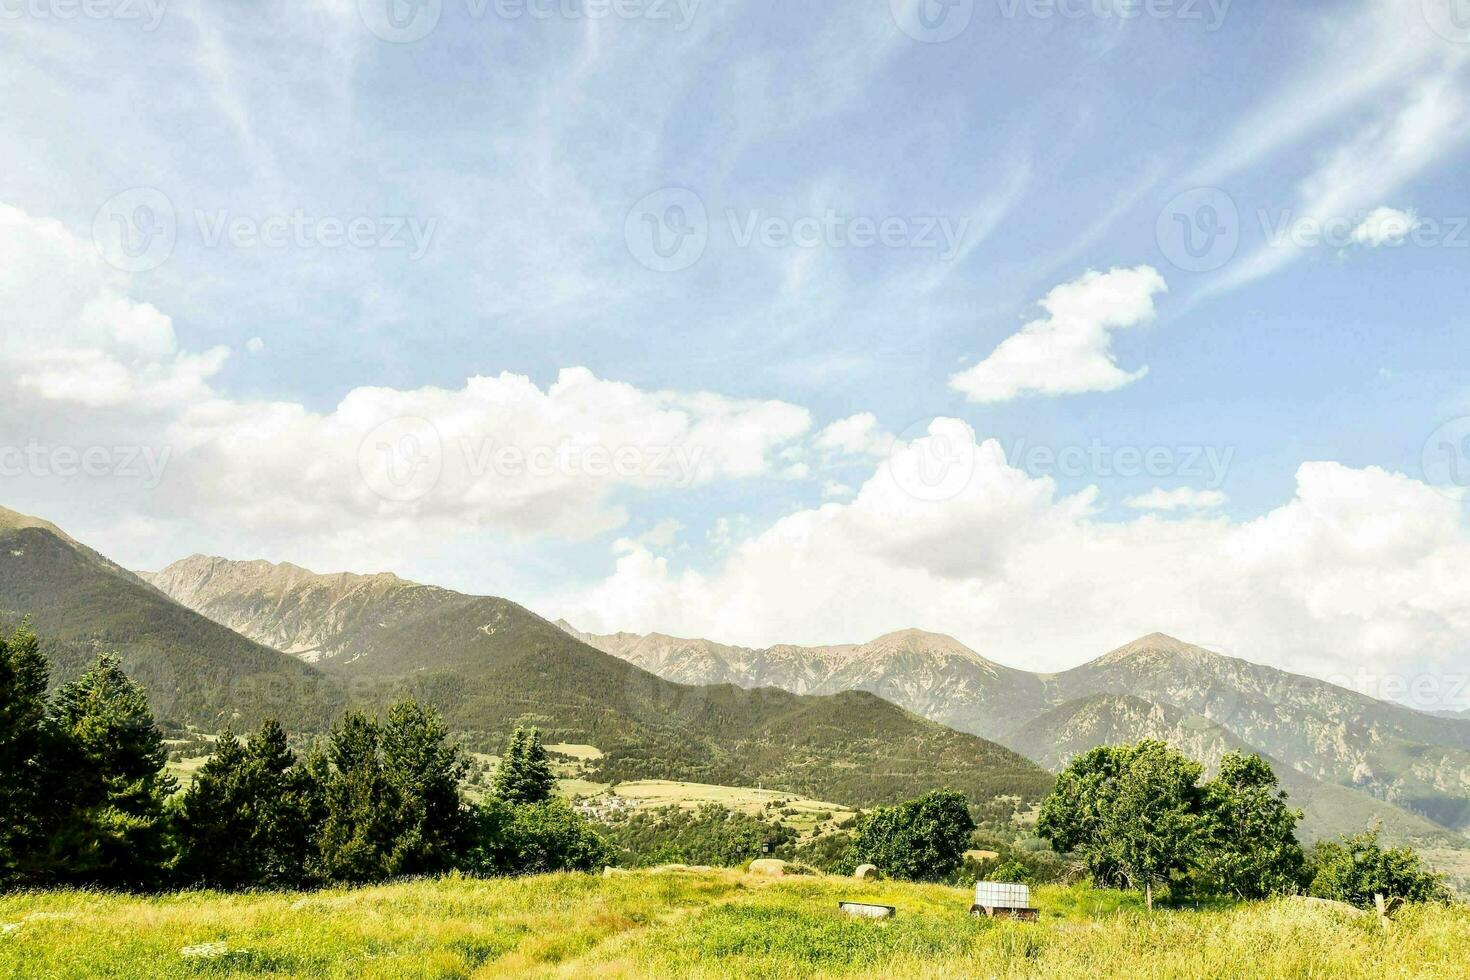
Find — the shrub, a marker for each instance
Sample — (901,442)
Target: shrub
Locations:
(1354,869)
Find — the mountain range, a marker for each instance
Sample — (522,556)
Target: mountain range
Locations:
(229,642)
(486,663)
(1157,685)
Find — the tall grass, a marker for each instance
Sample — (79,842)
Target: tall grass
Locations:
(714,924)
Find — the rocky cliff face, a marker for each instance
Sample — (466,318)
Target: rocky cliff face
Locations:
(315,617)
(928,673)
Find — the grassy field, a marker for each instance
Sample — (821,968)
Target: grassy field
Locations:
(711,924)
(795,811)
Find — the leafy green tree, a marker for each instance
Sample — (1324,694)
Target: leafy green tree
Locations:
(1251,850)
(1354,869)
(245,820)
(27,809)
(713,834)
(918,840)
(116,789)
(1132,812)
(524,774)
(534,838)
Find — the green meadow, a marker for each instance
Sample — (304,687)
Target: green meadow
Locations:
(700,924)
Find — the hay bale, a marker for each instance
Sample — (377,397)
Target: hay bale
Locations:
(770,867)
(866,872)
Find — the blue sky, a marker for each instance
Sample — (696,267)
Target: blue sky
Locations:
(503,170)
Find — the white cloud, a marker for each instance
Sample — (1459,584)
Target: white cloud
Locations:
(74,336)
(1360,570)
(499,453)
(1068,351)
(856,435)
(255,345)
(1385,226)
(1183,498)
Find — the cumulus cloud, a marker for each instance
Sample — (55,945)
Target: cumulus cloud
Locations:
(856,435)
(1068,351)
(498,453)
(1360,569)
(68,319)
(1183,498)
(1385,226)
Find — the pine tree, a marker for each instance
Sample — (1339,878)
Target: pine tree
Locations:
(244,821)
(26,784)
(115,833)
(425,768)
(360,804)
(524,774)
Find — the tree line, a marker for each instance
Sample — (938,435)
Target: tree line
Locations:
(1139,817)
(85,798)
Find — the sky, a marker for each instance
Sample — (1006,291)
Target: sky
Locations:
(1042,323)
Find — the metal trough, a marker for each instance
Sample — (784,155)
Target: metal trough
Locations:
(867,910)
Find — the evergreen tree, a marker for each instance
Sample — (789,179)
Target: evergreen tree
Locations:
(360,805)
(115,833)
(244,821)
(524,774)
(425,768)
(1252,850)
(26,779)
